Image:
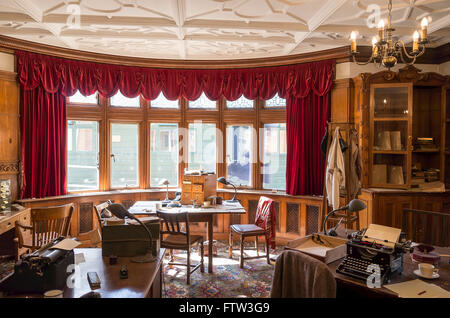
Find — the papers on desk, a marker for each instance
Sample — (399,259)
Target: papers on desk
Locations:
(418,289)
(381,234)
(236,205)
(66,244)
(79,258)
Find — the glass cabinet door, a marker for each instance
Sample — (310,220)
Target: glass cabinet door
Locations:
(390,111)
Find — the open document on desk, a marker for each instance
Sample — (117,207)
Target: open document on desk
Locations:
(418,289)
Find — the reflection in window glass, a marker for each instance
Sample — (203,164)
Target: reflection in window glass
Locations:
(274,156)
(239,156)
(276,101)
(163,153)
(202,147)
(122,101)
(124,155)
(241,102)
(79,98)
(202,102)
(82,155)
(162,102)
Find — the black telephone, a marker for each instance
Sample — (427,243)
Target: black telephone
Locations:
(175,202)
(177,196)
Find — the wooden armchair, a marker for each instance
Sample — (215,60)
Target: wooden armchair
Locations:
(94,238)
(174,238)
(47,224)
(426,227)
(265,214)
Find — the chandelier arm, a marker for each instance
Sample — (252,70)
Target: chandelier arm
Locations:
(403,47)
(405,62)
(362,63)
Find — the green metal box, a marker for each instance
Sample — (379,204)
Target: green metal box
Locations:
(129,240)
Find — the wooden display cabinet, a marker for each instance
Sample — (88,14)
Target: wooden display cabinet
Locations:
(446,134)
(402,121)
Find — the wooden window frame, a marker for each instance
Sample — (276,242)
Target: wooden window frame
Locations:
(183,116)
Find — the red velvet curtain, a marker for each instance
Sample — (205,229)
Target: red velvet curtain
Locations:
(46,80)
(67,76)
(43,143)
(305,125)
(306,118)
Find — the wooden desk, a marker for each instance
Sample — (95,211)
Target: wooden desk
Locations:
(7,233)
(349,285)
(8,219)
(195,215)
(144,279)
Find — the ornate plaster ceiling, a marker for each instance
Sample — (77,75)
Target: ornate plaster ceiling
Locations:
(213,29)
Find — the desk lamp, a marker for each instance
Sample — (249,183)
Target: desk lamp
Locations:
(224,181)
(354,206)
(119,211)
(166,183)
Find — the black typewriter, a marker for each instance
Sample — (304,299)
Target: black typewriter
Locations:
(44,269)
(363,252)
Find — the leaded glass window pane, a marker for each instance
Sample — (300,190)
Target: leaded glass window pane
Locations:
(241,102)
(203,102)
(162,102)
(276,101)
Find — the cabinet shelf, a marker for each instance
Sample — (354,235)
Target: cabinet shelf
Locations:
(398,112)
(426,151)
(390,152)
(390,119)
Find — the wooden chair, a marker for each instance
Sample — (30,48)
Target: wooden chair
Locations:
(265,206)
(47,224)
(426,227)
(177,239)
(94,238)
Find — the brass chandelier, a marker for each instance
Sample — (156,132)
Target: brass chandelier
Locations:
(386,51)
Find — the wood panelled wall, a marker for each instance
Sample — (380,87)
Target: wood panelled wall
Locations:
(9,130)
(296,215)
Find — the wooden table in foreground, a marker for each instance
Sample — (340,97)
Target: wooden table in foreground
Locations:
(195,215)
(349,285)
(144,279)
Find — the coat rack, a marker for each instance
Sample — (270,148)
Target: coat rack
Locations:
(347,128)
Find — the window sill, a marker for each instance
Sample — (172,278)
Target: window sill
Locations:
(161,190)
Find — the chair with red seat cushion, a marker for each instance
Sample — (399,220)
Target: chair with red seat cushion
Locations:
(264,225)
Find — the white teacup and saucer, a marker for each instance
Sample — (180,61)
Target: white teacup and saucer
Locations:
(427,271)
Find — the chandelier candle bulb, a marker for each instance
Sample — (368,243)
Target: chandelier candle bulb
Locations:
(353,38)
(424,25)
(387,48)
(416,42)
(381,30)
(374,47)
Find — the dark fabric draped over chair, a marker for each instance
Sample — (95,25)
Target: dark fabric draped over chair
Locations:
(303,85)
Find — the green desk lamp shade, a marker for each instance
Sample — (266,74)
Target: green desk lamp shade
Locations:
(355,205)
(119,211)
(224,181)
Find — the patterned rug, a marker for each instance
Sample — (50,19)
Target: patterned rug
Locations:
(228,280)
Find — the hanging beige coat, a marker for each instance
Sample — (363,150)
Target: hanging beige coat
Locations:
(335,171)
(355,166)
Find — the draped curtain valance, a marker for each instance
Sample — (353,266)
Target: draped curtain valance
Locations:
(67,76)
(46,81)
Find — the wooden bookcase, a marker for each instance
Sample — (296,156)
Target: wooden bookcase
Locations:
(393,110)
